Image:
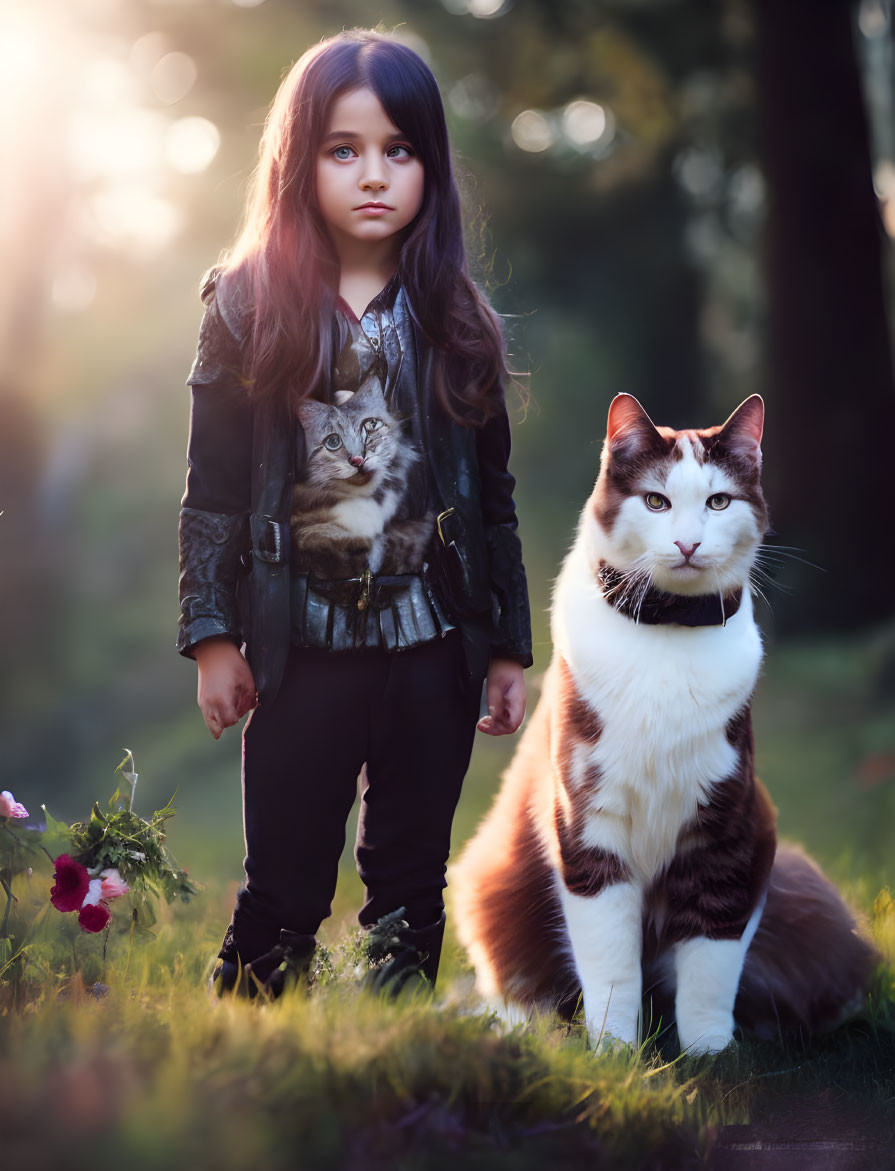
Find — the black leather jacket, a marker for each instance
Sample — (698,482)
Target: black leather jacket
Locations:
(234,524)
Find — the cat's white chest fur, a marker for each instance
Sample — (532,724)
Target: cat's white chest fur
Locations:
(664,696)
(363,516)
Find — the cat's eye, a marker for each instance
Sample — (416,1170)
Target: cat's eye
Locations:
(332,442)
(370,425)
(657,502)
(718,502)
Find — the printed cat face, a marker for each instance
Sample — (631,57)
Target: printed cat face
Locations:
(352,442)
(683,507)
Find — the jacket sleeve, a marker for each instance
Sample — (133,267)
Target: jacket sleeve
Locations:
(512,633)
(214,518)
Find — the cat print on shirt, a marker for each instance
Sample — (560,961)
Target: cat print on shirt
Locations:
(347,509)
(630,859)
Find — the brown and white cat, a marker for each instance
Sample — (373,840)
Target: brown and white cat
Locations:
(346,511)
(631,850)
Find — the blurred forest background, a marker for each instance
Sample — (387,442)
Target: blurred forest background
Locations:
(687,200)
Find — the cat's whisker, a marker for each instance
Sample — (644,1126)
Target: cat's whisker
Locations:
(785,552)
(759,574)
(647,582)
(759,592)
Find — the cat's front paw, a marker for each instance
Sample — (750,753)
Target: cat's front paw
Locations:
(606,1044)
(706,1044)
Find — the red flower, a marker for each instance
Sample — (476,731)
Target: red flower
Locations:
(72,883)
(93,917)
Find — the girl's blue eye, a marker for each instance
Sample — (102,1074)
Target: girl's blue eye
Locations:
(400,150)
(342,153)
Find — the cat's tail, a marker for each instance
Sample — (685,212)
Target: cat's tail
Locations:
(809,965)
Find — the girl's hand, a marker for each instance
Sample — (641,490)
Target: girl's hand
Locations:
(226,684)
(505,690)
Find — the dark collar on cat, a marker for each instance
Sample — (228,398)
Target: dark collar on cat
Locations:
(657,608)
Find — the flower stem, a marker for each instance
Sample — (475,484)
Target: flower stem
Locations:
(10,899)
(18,841)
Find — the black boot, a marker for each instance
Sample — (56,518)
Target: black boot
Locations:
(268,974)
(407,957)
(284,965)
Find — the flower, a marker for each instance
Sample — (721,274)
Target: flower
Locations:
(93,917)
(113,885)
(9,807)
(71,886)
(94,893)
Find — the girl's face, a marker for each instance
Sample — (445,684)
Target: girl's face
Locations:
(369,179)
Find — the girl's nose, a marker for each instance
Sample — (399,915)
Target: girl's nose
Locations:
(374,177)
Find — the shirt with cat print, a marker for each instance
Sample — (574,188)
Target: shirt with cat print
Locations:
(363,504)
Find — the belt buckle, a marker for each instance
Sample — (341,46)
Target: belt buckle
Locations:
(366,590)
(443,516)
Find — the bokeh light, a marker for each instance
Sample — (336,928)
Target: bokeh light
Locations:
(133,217)
(123,141)
(191,144)
(474,97)
(584,122)
(172,77)
(873,18)
(483,9)
(532,131)
(486,9)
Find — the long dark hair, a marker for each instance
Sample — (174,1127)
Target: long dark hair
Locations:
(285,264)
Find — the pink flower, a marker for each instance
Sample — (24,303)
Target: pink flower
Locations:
(113,885)
(94,893)
(93,917)
(71,886)
(9,807)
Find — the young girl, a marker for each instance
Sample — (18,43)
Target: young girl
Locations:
(348,514)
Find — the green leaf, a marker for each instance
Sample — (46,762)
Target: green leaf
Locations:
(57,836)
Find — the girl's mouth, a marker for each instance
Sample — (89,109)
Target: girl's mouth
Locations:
(374,208)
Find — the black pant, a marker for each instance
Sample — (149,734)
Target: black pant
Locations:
(410,716)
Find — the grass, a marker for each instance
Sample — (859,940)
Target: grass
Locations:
(152,1073)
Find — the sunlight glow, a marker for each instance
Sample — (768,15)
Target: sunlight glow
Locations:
(172,77)
(133,217)
(85,134)
(20,53)
(127,141)
(147,51)
(74,288)
(191,144)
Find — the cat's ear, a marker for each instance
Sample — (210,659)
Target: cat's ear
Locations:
(741,434)
(370,390)
(310,411)
(629,429)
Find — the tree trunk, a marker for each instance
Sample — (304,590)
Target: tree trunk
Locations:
(831,407)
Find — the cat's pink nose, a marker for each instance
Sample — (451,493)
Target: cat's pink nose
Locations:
(688,550)
(356,461)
